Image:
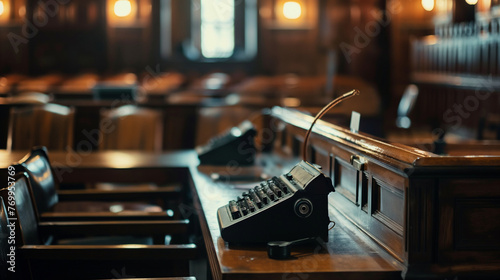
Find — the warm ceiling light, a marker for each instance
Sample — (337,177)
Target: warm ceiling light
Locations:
(428,5)
(1,8)
(292,10)
(471,2)
(122,8)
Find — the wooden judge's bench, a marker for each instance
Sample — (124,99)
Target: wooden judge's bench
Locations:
(400,212)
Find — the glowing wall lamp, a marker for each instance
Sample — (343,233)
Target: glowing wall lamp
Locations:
(471,2)
(4,11)
(122,12)
(290,14)
(122,8)
(12,11)
(292,10)
(428,5)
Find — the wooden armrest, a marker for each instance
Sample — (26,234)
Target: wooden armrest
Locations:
(104,216)
(109,252)
(170,192)
(145,228)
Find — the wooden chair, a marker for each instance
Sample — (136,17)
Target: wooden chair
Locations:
(52,204)
(50,125)
(132,128)
(39,260)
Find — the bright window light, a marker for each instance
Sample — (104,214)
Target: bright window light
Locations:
(428,5)
(217,28)
(122,8)
(1,8)
(292,10)
(471,2)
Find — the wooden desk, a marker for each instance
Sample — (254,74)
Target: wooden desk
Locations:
(113,166)
(349,254)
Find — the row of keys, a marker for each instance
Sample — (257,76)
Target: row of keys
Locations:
(257,197)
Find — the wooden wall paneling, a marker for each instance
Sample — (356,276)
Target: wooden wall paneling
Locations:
(373,196)
(388,205)
(385,207)
(285,50)
(346,182)
(468,220)
(14,58)
(322,157)
(421,220)
(421,228)
(129,45)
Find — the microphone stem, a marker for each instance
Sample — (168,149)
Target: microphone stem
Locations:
(321,113)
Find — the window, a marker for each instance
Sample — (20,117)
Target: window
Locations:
(222,30)
(217,28)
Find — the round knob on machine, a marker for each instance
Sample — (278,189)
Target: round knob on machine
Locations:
(303,207)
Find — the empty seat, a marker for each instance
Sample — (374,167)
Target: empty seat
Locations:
(49,125)
(132,128)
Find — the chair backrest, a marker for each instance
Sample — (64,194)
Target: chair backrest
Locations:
(406,105)
(37,166)
(24,212)
(29,98)
(49,125)
(132,128)
(4,240)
